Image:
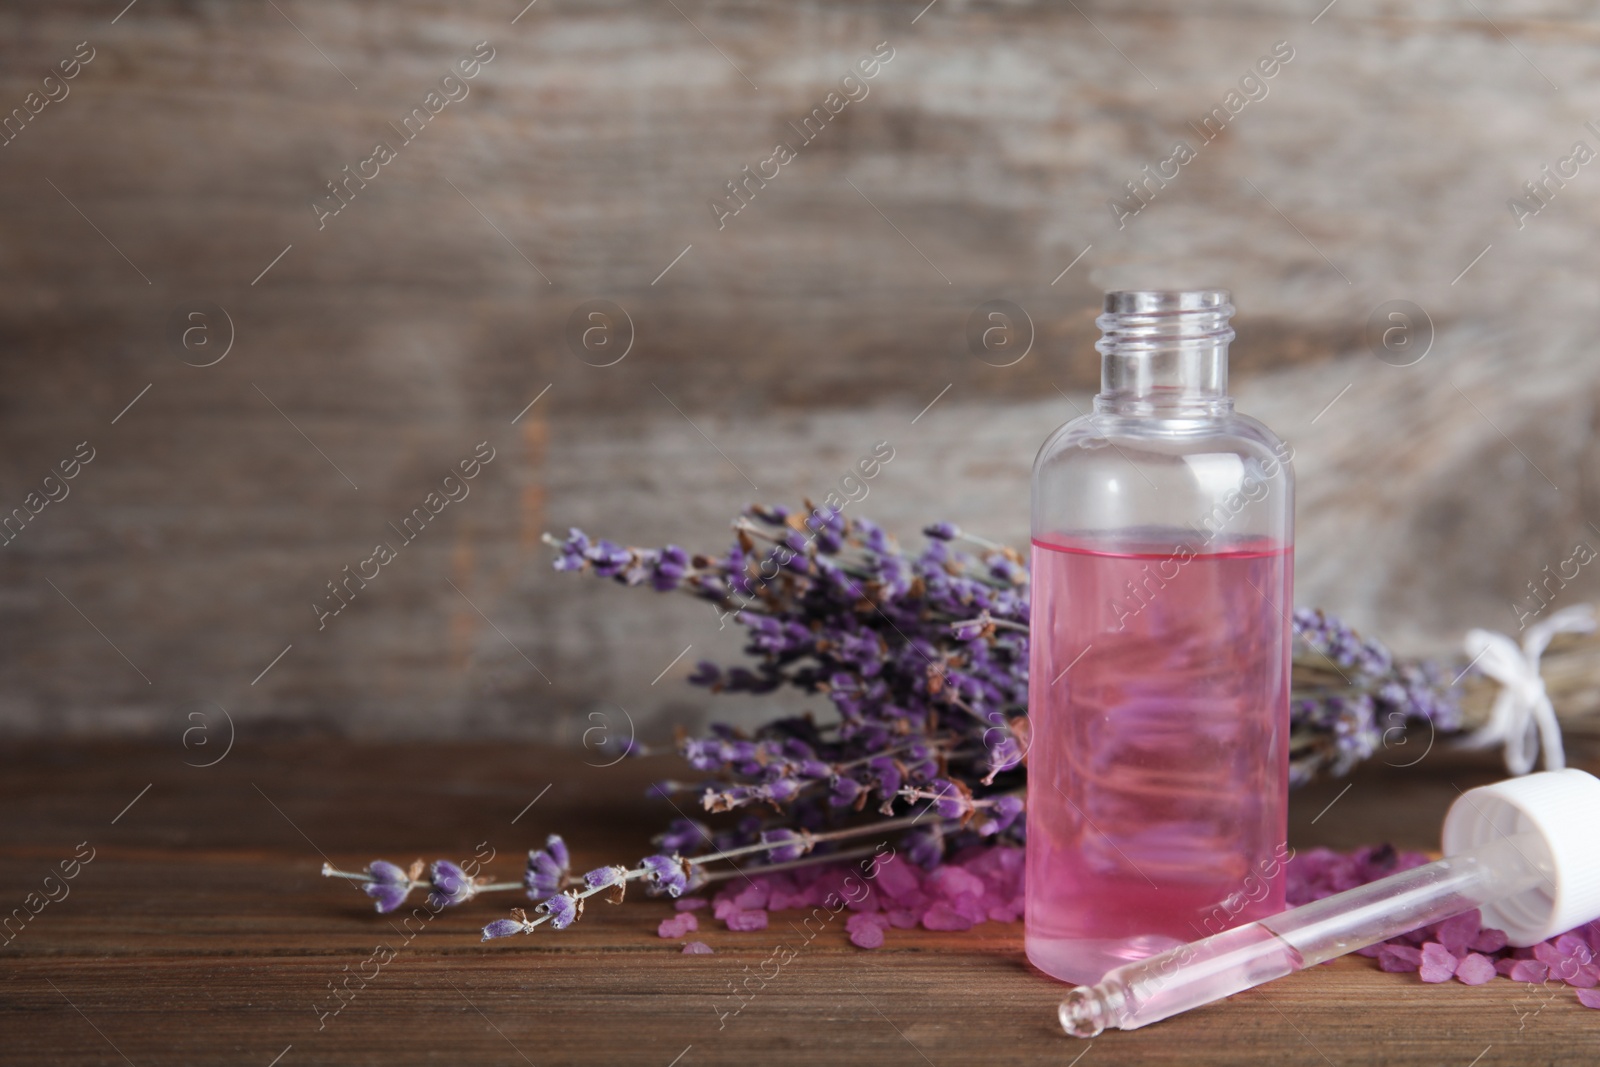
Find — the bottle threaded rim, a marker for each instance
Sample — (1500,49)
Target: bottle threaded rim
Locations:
(1144,320)
(1156,301)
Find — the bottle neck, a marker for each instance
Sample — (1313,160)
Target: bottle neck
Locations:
(1165,354)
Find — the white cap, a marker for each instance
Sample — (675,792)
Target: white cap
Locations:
(1563,809)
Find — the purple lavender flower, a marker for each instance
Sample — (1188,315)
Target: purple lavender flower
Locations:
(1004,755)
(502,928)
(843,791)
(734,796)
(1007,569)
(813,769)
(665,874)
(389,886)
(562,909)
(705,673)
(572,556)
(951,801)
(999,816)
(790,845)
(451,885)
(887,775)
(670,567)
(782,791)
(601,877)
(681,835)
(608,558)
(940,531)
(971,629)
(547,869)
(872,537)
(704,754)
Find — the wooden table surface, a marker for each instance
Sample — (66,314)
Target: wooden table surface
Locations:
(201,932)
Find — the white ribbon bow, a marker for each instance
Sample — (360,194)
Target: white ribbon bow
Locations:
(1522,718)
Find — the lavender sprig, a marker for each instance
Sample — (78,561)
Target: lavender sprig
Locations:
(674,875)
(389,886)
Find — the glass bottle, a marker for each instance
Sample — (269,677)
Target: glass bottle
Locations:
(1163,539)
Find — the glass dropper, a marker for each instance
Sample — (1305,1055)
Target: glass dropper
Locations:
(1188,976)
(1529,857)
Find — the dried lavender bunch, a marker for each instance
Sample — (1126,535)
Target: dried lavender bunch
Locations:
(925,660)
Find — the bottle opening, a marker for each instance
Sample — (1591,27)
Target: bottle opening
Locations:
(1165,350)
(1167,301)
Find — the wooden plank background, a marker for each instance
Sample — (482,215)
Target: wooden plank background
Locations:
(372,355)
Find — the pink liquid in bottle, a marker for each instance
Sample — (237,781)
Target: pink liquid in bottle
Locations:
(1158,776)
